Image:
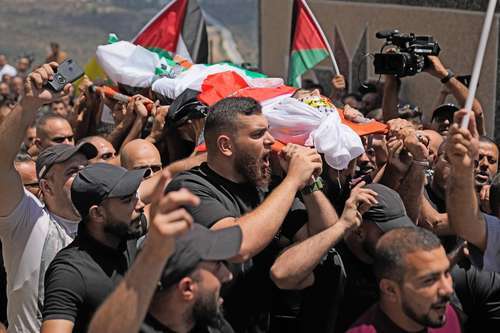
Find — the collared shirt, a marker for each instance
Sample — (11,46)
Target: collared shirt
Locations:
(31,236)
(81,276)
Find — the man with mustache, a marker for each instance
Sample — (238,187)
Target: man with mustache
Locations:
(84,273)
(234,189)
(486,168)
(415,286)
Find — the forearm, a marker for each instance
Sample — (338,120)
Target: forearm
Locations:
(390,99)
(135,290)
(298,262)
(411,189)
(460,92)
(135,131)
(463,210)
(12,131)
(262,224)
(438,222)
(118,134)
(391,177)
(320,212)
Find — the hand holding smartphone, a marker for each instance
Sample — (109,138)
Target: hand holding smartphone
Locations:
(67,72)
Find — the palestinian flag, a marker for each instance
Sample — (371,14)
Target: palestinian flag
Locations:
(309,46)
(178,29)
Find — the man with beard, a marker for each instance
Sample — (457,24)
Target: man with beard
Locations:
(233,187)
(33,232)
(84,273)
(486,167)
(185,297)
(382,210)
(415,286)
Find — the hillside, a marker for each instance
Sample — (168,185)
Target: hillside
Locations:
(80,25)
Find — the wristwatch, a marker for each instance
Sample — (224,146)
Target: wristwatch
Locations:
(448,77)
(317,185)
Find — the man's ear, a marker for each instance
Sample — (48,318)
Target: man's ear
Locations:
(224,145)
(45,187)
(187,289)
(38,143)
(389,289)
(97,213)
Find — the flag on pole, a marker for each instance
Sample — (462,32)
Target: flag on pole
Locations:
(179,28)
(309,45)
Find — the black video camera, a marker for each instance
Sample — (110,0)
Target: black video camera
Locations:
(411,53)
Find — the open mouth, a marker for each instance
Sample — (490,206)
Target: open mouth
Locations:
(482,177)
(266,162)
(364,170)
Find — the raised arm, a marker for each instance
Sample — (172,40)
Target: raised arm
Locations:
(293,269)
(12,131)
(457,89)
(261,225)
(390,99)
(463,209)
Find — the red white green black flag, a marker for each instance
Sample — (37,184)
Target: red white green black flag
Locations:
(179,28)
(309,46)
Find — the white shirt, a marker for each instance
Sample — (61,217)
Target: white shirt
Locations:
(7,69)
(31,236)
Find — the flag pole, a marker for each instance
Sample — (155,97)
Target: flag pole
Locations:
(479,60)
(330,52)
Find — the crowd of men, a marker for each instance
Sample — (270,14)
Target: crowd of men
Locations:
(114,218)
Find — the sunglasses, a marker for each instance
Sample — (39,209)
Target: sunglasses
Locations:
(154,167)
(61,139)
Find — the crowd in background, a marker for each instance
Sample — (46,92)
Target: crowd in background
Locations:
(174,216)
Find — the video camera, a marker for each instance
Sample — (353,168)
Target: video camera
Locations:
(411,53)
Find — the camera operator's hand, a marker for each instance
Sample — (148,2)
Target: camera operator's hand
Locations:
(300,163)
(34,85)
(436,67)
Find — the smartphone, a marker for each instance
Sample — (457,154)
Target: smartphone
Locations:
(67,72)
(465,79)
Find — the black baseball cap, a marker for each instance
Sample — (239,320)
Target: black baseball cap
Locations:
(197,245)
(444,111)
(185,107)
(100,181)
(61,153)
(389,213)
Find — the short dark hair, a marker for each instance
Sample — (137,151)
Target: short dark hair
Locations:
(223,116)
(487,139)
(394,245)
(45,118)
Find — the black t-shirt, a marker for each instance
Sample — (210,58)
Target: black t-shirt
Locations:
(479,295)
(151,325)
(248,297)
(80,278)
(360,288)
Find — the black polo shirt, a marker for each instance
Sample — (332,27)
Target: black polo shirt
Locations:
(81,276)
(151,325)
(248,298)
